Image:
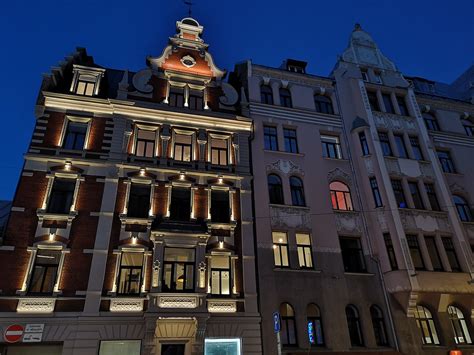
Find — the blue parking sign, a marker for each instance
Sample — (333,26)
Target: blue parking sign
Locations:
(276,322)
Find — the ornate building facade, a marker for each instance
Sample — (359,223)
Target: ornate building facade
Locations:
(171,211)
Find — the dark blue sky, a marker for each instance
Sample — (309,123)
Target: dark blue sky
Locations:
(428,38)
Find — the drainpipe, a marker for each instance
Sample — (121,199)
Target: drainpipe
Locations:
(366,229)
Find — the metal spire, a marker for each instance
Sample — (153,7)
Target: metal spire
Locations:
(190,4)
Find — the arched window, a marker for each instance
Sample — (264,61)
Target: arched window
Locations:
(430,122)
(323,104)
(353,323)
(464,211)
(297,192)
(340,196)
(461,333)
(285,98)
(315,326)
(275,189)
(266,94)
(379,326)
(288,327)
(425,322)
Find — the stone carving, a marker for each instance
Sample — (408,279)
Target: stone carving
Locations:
(369,166)
(230,96)
(290,217)
(188,61)
(426,169)
(36,305)
(126,305)
(285,166)
(178,301)
(202,274)
(222,306)
(140,81)
(156,273)
(457,189)
(348,222)
(338,174)
(428,221)
(391,121)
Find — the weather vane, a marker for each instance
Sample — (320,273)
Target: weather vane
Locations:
(190,4)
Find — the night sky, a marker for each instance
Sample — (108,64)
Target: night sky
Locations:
(432,39)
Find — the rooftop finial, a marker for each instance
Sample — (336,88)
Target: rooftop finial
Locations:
(357,27)
(190,4)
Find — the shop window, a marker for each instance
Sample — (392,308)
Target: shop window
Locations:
(425,322)
(315,325)
(120,347)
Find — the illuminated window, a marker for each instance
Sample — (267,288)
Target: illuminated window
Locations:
(275,189)
(297,191)
(340,196)
(352,255)
(183,147)
(353,324)
(315,326)
(220,346)
(331,147)
(130,273)
(285,98)
(75,136)
(62,196)
(219,151)
(378,323)
(220,275)
(139,201)
(323,104)
(425,322)
(458,322)
(145,145)
(178,270)
(266,94)
(44,272)
(464,211)
(303,246)
(288,324)
(280,249)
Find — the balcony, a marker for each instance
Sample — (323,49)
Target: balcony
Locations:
(179,300)
(36,305)
(222,306)
(126,304)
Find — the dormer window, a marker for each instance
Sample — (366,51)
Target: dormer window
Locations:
(86,80)
(196,101)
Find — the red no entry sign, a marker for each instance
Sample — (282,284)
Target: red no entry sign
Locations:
(13,333)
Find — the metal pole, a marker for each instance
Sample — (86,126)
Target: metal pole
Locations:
(278,343)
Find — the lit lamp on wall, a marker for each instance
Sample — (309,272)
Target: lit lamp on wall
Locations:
(142,171)
(220,179)
(455,352)
(182,175)
(68,165)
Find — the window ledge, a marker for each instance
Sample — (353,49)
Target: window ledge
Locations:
(283,152)
(42,214)
(280,269)
(336,159)
(453,174)
(359,273)
(289,206)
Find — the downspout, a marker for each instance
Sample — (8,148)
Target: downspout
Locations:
(366,229)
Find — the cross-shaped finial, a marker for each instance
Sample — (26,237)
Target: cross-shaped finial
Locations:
(190,4)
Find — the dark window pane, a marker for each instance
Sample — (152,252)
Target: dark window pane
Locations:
(400,142)
(331,147)
(451,254)
(176,97)
(270,138)
(446,162)
(266,95)
(430,191)
(433,253)
(431,122)
(353,323)
(220,206)
(415,146)
(75,136)
(385,144)
(285,98)
(415,252)
(373,101)
(378,323)
(291,145)
(180,206)
(399,194)
(275,189)
(352,255)
(297,192)
(323,104)
(178,270)
(44,271)
(139,201)
(390,251)
(464,211)
(130,273)
(415,194)
(62,193)
(402,106)
(375,192)
(387,100)
(363,144)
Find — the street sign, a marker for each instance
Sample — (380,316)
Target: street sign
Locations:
(13,333)
(34,328)
(33,333)
(276,322)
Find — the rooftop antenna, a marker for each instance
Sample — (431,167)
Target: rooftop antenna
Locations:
(190,4)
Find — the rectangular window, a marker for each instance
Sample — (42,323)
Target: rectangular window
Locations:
(416,196)
(85,87)
(373,101)
(130,274)
(303,245)
(62,195)
(178,270)
(352,255)
(375,192)
(145,143)
(331,147)
(378,78)
(387,101)
(390,251)
(183,147)
(385,144)
(180,206)
(399,194)
(446,162)
(220,206)
(430,191)
(431,122)
(139,201)
(270,137)
(415,147)
(120,347)
(365,75)
(451,254)
(469,129)
(196,101)
(219,151)
(400,142)
(176,97)
(364,145)
(291,145)
(220,275)
(44,272)
(75,136)
(280,249)
(433,253)
(415,252)
(402,105)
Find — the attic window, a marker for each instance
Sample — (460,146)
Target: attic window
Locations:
(86,81)
(295,69)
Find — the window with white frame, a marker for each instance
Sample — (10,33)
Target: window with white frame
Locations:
(219,151)
(303,245)
(61,197)
(280,249)
(331,147)
(183,147)
(86,80)
(220,275)
(130,273)
(44,272)
(145,143)
(75,135)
